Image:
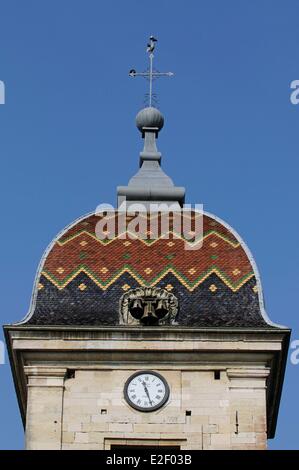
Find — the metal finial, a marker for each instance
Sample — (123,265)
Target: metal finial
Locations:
(150,74)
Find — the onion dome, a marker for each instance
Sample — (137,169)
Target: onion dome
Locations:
(83,276)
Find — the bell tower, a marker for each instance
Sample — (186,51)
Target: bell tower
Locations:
(138,335)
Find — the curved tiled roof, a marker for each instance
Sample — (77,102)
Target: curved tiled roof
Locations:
(82,277)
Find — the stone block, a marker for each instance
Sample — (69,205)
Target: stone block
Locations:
(82,446)
(198,420)
(95,427)
(121,427)
(220,441)
(210,428)
(96,437)
(81,437)
(243,438)
(72,427)
(68,437)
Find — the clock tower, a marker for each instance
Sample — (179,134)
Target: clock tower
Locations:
(143,333)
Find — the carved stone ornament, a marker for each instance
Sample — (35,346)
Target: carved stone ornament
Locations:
(148,306)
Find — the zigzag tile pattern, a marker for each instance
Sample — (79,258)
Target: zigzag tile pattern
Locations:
(79,250)
(87,271)
(200,308)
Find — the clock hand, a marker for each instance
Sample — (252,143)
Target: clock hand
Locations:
(146,391)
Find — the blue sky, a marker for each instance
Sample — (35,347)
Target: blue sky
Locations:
(68,138)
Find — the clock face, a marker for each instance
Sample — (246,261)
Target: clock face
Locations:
(146,391)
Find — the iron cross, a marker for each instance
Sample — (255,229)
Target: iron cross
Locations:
(150,74)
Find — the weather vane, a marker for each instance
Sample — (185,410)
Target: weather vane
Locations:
(150,74)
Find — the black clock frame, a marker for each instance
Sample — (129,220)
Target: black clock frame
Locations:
(152,408)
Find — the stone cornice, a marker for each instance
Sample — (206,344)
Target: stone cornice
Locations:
(34,350)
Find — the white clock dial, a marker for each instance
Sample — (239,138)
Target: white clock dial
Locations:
(146,391)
